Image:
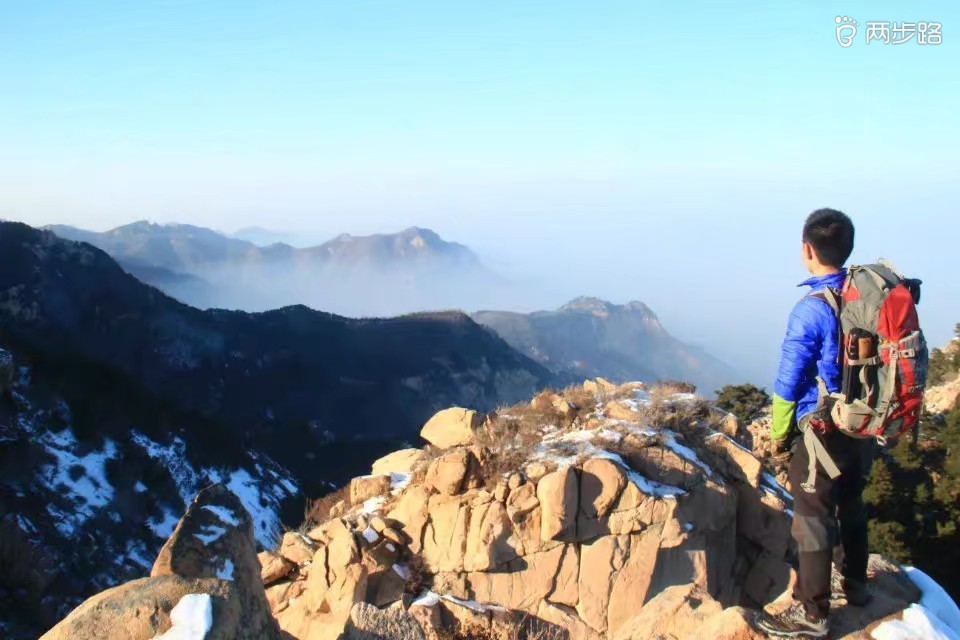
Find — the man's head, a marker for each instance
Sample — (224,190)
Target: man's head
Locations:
(827,241)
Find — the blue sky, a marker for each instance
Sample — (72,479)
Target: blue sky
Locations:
(666,152)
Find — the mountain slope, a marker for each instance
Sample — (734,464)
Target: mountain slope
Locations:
(373,275)
(592,337)
(113,389)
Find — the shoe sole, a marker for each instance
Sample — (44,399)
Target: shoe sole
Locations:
(792,634)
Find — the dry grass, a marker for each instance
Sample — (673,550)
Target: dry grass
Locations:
(529,628)
(317,511)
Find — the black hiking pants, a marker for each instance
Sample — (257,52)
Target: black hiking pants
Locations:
(833,515)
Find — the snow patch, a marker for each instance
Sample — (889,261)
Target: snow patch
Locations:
(935,599)
(140,487)
(225,515)
(685,452)
(210,534)
(191,618)
(917,623)
(370,535)
(82,479)
(164,527)
(402,570)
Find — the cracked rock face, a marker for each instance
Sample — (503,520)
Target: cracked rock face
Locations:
(592,518)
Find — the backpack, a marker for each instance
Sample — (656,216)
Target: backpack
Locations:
(884,361)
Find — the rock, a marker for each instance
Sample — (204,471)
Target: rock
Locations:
(296,548)
(140,610)
(370,623)
(558,495)
(599,386)
(446,473)
(687,612)
(489,544)
(534,471)
(601,482)
(445,536)
(410,511)
(426,611)
(214,540)
(739,463)
(211,552)
(938,399)
(619,411)
(523,583)
(273,567)
(452,427)
(402,461)
(366,487)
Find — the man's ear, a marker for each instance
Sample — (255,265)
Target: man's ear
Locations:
(808,252)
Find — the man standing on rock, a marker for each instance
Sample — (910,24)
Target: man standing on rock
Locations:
(832,509)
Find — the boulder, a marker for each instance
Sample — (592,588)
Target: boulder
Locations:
(273,567)
(366,487)
(140,610)
(296,548)
(600,386)
(410,511)
(559,495)
(445,535)
(370,623)
(739,464)
(211,554)
(687,612)
(601,482)
(452,427)
(401,461)
(446,473)
(214,540)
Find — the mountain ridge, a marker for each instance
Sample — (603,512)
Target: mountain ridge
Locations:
(590,337)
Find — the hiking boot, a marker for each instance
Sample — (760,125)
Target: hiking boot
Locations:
(857,593)
(794,622)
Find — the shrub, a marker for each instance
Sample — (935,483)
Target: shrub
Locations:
(745,401)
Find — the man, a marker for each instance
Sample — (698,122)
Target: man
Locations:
(831,510)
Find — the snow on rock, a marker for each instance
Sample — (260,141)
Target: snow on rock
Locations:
(210,533)
(936,599)
(226,571)
(917,623)
(191,618)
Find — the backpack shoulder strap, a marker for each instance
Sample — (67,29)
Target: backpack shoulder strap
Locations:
(831,297)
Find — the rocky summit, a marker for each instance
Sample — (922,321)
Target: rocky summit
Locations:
(603,511)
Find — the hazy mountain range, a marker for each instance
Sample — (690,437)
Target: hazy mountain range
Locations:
(377,275)
(386,274)
(589,337)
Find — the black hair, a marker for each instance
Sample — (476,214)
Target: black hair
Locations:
(830,233)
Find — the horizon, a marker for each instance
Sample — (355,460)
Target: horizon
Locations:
(661,154)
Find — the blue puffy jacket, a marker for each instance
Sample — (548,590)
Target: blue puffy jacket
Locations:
(809,350)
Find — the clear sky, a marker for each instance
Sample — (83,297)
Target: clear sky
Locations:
(660,151)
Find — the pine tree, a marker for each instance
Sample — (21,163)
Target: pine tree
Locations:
(879,492)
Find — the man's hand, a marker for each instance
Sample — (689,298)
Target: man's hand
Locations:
(782,449)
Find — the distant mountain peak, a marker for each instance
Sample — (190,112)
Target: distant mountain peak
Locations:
(603,308)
